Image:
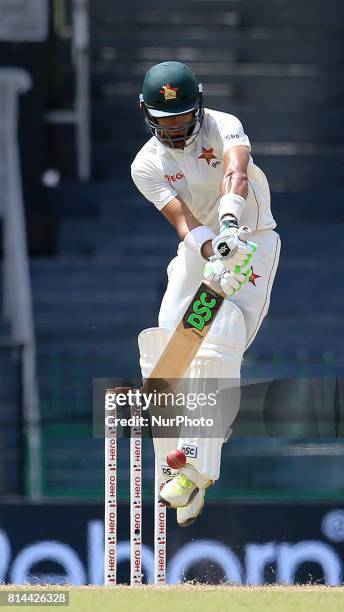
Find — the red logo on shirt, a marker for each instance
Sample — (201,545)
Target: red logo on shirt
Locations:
(207,154)
(253,277)
(174,177)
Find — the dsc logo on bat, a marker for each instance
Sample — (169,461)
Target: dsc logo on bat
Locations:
(203,310)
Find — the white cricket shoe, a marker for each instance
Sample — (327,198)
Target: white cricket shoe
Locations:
(181,490)
(178,492)
(188,514)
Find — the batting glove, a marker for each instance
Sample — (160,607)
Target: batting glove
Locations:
(231,248)
(230,282)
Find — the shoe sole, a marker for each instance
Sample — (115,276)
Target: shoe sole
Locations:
(168,504)
(191,520)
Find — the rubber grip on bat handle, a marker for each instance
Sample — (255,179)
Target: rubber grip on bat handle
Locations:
(244,229)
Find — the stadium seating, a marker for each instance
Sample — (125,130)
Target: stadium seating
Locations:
(280,70)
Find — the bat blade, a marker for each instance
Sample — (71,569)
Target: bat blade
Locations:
(189,334)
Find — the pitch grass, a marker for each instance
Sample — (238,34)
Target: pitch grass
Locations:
(196,598)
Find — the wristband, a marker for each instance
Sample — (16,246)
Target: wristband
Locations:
(227,222)
(231,204)
(195,239)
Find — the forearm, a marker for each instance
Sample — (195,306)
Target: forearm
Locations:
(234,186)
(187,225)
(235,181)
(195,235)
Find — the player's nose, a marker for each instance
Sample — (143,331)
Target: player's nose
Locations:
(176,122)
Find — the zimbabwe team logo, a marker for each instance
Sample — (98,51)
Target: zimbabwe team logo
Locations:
(253,277)
(169,92)
(207,154)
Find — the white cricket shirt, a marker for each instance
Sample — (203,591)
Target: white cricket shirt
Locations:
(195,173)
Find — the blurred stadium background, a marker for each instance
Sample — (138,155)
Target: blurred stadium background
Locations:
(70,75)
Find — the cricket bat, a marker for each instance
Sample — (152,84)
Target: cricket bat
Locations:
(190,332)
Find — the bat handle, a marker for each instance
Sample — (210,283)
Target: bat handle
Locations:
(244,229)
(215,286)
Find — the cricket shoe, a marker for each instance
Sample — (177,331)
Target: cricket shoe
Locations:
(188,514)
(182,489)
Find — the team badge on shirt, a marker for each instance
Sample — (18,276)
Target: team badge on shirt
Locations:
(169,92)
(253,277)
(207,154)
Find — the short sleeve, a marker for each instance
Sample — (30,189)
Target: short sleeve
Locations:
(152,186)
(232,132)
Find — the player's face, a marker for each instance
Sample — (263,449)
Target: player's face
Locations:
(174,127)
(175,121)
